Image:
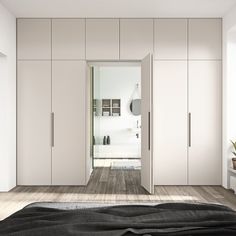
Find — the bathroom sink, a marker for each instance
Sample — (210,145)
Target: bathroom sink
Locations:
(134,130)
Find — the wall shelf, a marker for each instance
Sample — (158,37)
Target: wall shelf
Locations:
(107,107)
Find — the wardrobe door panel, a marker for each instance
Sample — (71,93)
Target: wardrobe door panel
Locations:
(68,39)
(205,39)
(136,38)
(170,122)
(68,105)
(33,123)
(205,135)
(34,39)
(102,39)
(170,39)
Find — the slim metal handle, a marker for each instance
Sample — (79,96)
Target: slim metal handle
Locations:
(149,130)
(189,129)
(52,129)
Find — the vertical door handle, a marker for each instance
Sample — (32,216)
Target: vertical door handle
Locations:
(52,129)
(189,129)
(149,130)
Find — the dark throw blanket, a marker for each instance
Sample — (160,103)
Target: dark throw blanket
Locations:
(162,219)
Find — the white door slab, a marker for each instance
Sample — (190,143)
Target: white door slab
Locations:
(146,130)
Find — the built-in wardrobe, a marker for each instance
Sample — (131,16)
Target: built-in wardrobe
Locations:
(52,100)
(187,102)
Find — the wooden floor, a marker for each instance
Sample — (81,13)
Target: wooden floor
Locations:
(108,185)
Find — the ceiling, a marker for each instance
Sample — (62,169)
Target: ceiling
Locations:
(119,8)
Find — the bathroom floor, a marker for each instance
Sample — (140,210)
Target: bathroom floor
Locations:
(128,164)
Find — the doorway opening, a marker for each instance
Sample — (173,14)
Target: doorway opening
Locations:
(120,122)
(116,116)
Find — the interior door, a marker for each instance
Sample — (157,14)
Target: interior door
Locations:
(89,119)
(147,127)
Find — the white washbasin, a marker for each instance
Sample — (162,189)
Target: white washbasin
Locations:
(134,130)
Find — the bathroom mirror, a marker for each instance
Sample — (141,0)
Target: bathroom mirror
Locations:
(135,107)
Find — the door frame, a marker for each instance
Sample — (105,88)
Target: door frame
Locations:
(89,119)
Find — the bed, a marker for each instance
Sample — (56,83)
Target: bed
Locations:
(114,220)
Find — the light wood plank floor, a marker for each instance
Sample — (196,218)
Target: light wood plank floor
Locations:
(108,185)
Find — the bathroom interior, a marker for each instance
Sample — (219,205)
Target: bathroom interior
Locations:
(116,116)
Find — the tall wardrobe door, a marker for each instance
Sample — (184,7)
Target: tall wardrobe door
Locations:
(33,123)
(205,125)
(170,122)
(68,105)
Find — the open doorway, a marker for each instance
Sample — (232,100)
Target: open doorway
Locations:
(116,117)
(120,120)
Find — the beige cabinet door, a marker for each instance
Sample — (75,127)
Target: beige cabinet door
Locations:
(205,126)
(68,39)
(205,39)
(33,39)
(68,105)
(147,121)
(170,122)
(170,39)
(136,38)
(33,123)
(102,39)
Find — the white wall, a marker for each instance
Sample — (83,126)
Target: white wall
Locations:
(229,86)
(7,100)
(118,83)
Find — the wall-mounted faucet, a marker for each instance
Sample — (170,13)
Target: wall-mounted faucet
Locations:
(137,134)
(138,126)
